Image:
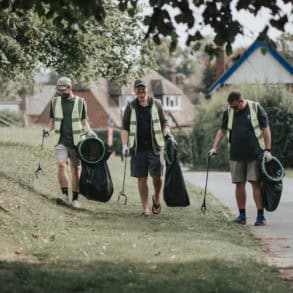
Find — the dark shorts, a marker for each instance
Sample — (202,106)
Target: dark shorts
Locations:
(144,163)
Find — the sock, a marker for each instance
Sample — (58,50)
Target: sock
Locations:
(260,212)
(64,190)
(74,195)
(242,212)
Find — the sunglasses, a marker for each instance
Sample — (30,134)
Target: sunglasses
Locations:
(235,107)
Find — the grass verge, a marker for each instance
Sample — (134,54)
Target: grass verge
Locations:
(111,247)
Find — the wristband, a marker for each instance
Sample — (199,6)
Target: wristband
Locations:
(268,150)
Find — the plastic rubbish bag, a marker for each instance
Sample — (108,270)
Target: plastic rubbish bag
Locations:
(175,193)
(271,184)
(95,180)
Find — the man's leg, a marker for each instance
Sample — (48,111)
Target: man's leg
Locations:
(257,194)
(143,192)
(61,155)
(260,219)
(253,177)
(241,202)
(63,181)
(241,195)
(238,174)
(62,174)
(157,182)
(75,173)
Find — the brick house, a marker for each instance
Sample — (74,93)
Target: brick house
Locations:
(106,102)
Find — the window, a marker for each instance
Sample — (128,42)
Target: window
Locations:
(172,102)
(124,100)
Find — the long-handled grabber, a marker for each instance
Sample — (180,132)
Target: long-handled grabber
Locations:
(203,206)
(122,193)
(39,170)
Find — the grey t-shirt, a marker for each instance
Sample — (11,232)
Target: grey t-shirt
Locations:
(244,145)
(66,134)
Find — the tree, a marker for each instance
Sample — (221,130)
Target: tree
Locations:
(68,21)
(285,45)
(217,14)
(79,43)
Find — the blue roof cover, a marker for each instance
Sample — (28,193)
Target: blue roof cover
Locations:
(217,84)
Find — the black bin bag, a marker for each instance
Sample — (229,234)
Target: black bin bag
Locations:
(95,180)
(175,193)
(271,183)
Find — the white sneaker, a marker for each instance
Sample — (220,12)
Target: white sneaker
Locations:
(63,199)
(75,204)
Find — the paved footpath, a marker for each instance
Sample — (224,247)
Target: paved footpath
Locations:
(276,236)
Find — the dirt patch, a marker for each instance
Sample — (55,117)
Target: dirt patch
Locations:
(277,260)
(16,254)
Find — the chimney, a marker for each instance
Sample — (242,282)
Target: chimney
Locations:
(173,76)
(220,63)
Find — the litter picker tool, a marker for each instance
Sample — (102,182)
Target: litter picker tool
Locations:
(122,194)
(203,206)
(39,170)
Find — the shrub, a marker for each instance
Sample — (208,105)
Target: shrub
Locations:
(184,141)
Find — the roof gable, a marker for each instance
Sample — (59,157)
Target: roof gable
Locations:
(257,45)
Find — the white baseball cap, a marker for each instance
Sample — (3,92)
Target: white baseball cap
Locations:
(63,82)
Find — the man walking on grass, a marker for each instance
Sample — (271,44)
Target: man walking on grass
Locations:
(68,119)
(143,130)
(248,132)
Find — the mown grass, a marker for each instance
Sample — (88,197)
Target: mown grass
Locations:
(111,247)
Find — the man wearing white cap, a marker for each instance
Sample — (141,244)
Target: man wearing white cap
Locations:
(68,119)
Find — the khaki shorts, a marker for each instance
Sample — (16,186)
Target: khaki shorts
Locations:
(242,171)
(63,152)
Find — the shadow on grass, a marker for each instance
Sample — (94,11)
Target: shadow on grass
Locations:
(201,276)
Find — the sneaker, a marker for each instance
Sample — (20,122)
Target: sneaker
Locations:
(241,219)
(63,199)
(75,204)
(260,221)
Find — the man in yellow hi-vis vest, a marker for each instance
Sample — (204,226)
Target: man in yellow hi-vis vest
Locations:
(143,131)
(68,121)
(248,133)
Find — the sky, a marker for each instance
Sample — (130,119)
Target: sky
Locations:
(252,25)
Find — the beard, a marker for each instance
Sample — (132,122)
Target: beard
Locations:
(65,95)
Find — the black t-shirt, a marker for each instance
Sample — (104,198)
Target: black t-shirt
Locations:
(244,145)
(66,134)
(144,123)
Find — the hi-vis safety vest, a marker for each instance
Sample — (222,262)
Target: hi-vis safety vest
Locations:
(253,119)
(76,115)
(156,126)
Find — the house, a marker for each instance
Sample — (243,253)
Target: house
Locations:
(13,106)
(106,102)
(260,64)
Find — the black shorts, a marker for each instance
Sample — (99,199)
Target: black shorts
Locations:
(145,162)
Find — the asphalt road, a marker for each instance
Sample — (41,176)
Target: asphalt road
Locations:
(277,235)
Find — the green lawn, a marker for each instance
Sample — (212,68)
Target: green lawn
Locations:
(111,247)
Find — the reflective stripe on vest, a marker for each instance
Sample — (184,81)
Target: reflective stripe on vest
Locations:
(76,115)
(253,119)
(132,136)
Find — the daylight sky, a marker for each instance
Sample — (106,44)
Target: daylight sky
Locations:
(252,25)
